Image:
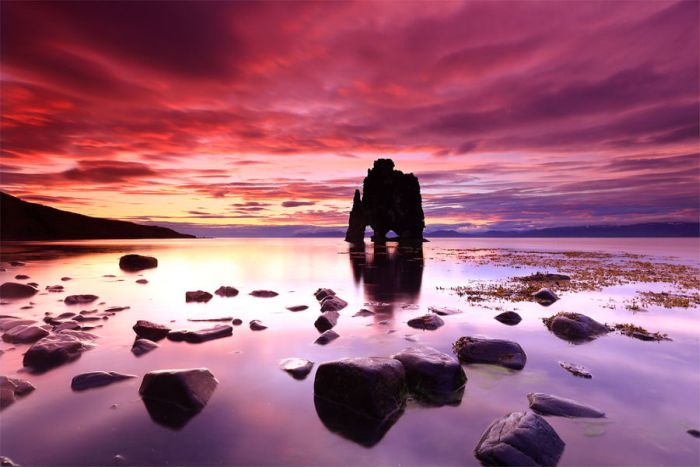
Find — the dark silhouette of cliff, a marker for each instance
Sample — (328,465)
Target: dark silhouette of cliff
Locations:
(391,201)
(20,220)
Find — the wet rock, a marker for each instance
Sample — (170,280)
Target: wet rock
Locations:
(576,370)
(299,368)
(96,379)
(428,322)
(297,308)
(490,351)
(694,433)
(10,322)
(142,281)
(520,438)
(575,327)
(363,313)
(237,322)
(114,309)
(264,293)
(510,318)
(11,388)
(149,330)
(432,375)
(83,318)
(137,262)
(142,346)
(257,325)
(326,321)
(203,335)
(80,299)
(327,337)
(16,290)
(173,397)
(66,315)
(226,291)
(55,350)
(177,335)
(7,462)
(198,296)
(320,294)
(24,334)
(55,288)
(21,277)
(66,278)
(546,404)
(333,303)
(82,335)
(444,311)
(545,296)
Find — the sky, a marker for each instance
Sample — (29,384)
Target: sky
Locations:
(222,118)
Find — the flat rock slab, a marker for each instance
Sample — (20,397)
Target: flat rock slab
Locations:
(326,321)
(429,322)
(444,311)
(143,346)
(97,379)
(198,296)
(576,370)
(264,293)
(257,325)
(575,327)
(226,291)
(296,308)
(509,318)
(490,351)
(17,290)
(520,438)
(24,334)
(546,404)
(203,335)
(432,375)
(149,330)
(327,337)
(137,262)
(55,350)
(80,299)
(299,368)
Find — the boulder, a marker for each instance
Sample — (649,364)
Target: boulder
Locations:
(142,346)
(54,350)
(24,334)
(173,397)
(11,388)
(575,327)
(545,296)
(327,337)
(333,303)
(137,262)
(149,330)
(510,318)
(576,370)
(298,308)
(299,368)
(198,296)
(226,291)
(490,351)
(70,324)
(546,404)
(520,438)
(326,321)
(429,322)
(11,322)
(80,299)
(203,335)
(257,325)
(16,290)
(96,379)
(320,294)
(264,293)
(432,375)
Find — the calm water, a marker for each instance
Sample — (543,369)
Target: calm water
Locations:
(260,415)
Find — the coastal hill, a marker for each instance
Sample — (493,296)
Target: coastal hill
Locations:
(20,220)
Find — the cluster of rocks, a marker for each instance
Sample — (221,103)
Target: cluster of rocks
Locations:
(331,304)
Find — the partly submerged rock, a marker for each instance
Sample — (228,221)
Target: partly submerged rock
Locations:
(141,281)
(257,325)
(327,337)
(80,299)
(694,433)
(545,297)
(55,288)
(142,346)
(326,321)
(576,370)
(10,322)
(226,291)
(298,308)
(320,294)
(509,318)
(203,335)
(237,321)
(299,368)
(575,327)
(11,388)
(429,322)
(432,375)
(264,293)
(55,350)
(491,351)
(444,311)
(173,397)
(333,303)
(137,262)
(22,277)
(96,379)
(520,438)
(24,334)
(16,290)
(149,330)
(198,296)
(363,313)
(546,404)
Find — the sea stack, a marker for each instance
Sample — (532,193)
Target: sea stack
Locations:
(390,201)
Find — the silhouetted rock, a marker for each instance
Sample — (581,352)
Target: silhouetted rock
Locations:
(326,321)
(299,368)
(55,288)
(429,322)
(24,334)
(333,303)
(198,296)
(96,379)
(21,277)
(320,294)
(491,351)
(226,291)
(510,318)
(391,201)
(142,346)
(150,331)
(520,438)
(327,337)
(134,262)
(545,297)
(575,327)
(237,321)
(257,325)
(55,350)
(16,290)
(80,299)
(433,376)
(202,335)
(296,308)
(546,404)
(264,293)
(694,433)
(363,313)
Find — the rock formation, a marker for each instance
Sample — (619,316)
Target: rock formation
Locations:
(391,201)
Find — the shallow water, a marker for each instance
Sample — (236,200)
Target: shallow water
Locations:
(261,415)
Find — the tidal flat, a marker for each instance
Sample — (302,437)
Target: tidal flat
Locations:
(640,367)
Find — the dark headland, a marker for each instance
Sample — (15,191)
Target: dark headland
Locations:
(21,220)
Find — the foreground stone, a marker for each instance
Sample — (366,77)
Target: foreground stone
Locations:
(520,438)
(226,291)
(257,325)
(491,351)
(576,370)
(137,262)
(298,308)
(11,388)
(546,404)
(202,335)
(333,303)
(173,397)
(16,290)
(432,375)
(545,296)
(326,321)
(151,331)
(509,318)
(299,368)
(143,346)
(429,322)
(96,379)
(327,337)
(575,327)
(55,350)
(198,296)
(80,299)
(24,334)
(264,293)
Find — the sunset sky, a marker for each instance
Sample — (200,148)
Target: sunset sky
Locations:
(220,118)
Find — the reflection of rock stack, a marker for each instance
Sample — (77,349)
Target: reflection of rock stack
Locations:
(391,201)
